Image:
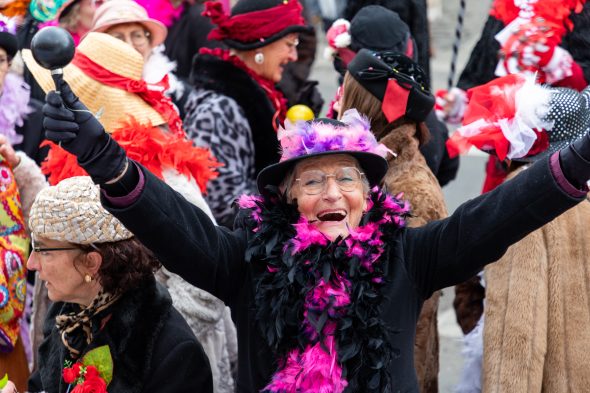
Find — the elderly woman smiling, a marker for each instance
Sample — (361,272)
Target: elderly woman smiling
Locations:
(324,281)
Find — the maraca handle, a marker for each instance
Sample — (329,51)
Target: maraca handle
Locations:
(57,76)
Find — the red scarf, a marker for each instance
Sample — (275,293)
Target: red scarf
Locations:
(277,99)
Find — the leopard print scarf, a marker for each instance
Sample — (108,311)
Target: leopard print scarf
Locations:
(77,328)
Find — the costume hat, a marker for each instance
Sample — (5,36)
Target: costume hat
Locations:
(375,28)
(113,13)
(95,54)
(71,212)
(255,23)
(394,79)
(321,137)
(516,119)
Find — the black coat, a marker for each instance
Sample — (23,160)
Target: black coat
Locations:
(152,347)
(421,260)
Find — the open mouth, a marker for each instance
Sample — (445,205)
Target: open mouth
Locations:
(332,216)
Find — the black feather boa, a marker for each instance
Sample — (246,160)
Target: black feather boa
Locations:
(317,302)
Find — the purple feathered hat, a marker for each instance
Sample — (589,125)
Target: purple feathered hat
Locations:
(352,135)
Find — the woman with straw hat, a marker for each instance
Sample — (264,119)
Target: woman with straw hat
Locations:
(392,90)
(141,118)
(111,326)
(129,22)
(235,107)
(324,281)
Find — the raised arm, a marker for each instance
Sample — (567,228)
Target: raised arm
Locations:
(181,235)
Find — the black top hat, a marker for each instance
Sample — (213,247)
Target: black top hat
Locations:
(385,73)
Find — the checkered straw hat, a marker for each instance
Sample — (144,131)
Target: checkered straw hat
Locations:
(71,211)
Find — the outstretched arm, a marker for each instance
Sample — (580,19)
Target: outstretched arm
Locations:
(480,230)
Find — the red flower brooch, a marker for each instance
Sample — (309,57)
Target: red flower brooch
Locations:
(91,374)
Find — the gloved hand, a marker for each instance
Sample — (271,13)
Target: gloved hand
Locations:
(575,158)
(76,129)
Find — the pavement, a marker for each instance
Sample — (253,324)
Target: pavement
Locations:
(470,176)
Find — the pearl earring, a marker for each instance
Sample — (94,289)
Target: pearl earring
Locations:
(88,278)
(259,58)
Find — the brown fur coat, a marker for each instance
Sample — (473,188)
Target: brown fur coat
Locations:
(410,173)
(537,314)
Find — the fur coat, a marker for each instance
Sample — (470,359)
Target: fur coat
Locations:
(537,314)
(408,172)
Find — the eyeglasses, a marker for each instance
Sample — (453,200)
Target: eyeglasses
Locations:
(137,37)
(38,249)
(315,181)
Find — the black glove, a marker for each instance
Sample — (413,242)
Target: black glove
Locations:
(575,158)
(76,129)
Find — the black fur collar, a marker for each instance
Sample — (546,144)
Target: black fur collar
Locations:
(131,333)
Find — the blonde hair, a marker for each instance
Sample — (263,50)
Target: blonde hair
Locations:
(356,96)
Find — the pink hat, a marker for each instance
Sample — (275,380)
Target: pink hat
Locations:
(118,12)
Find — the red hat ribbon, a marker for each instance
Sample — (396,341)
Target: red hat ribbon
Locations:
(153,94)
(395,100)
(253,26)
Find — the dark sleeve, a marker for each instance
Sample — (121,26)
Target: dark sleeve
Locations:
(450,251)
(435,151)
(186,36)
(577,42)
(184,238)
(33,133)
(481,66)
(419,27)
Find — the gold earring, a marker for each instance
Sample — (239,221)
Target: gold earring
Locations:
(88,278)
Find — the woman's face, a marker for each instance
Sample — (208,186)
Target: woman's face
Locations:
(333,210)
(276,56)
(135,35)
(4,66)
(86,14)
(62,266)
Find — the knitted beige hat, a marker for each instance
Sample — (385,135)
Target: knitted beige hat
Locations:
(71,211)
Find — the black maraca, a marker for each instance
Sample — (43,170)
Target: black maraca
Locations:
(53,48)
